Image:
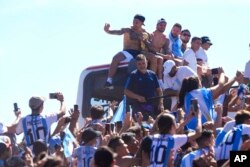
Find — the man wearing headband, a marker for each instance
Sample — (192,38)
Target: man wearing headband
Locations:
(131,45)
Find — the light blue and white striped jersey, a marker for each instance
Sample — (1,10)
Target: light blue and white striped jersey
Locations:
(232,141)
(161,147)
(36,127)
(84,154)
(227,127)
(205,101)
(187,160)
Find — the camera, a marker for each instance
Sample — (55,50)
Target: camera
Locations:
(15,107)
(53,95)
(215,71)
(194,104)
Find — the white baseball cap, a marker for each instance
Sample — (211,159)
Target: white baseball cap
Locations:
(168,65)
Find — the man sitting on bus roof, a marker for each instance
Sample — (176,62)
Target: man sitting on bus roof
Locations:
(131,45)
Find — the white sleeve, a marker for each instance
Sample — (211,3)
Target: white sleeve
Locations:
(187,56)
(228,126)
(167,82)
(246,129)
(50,119)
(179,140)
(19,128)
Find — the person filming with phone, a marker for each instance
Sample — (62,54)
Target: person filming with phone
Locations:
(36,125)
(191,88)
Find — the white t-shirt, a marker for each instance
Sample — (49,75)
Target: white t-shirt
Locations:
(201,54)
(247,70)
(36,127)
(190,58)
(176,81)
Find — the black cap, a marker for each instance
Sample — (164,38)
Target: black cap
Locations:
(206,39)
(140,17)
(89,134)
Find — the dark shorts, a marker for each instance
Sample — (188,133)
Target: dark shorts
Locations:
(134,53)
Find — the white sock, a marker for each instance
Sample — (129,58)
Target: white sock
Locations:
(109,80)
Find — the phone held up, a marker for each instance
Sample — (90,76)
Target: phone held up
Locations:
(194,105)
(15,107)
(53,95)
(75,107)
(107,128)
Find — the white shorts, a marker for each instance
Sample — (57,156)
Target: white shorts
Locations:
(127,55)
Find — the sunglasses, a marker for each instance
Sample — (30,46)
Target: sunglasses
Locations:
(188,35)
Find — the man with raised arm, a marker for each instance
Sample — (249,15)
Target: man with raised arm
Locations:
(37,126)
(131,45)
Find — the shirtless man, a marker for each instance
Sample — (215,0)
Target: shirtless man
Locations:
(160,43)
(131,45)
(159,46)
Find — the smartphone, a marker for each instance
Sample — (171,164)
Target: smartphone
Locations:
(75,107)
(112,127)
(107,128)
(15,107)
(53,95)
(194,104)
(215,71)
(118,126)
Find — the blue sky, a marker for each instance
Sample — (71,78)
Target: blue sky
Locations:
(45,44)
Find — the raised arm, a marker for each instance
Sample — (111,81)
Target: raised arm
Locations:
(114,32)
(62,109)
(12,127)
(216,90)
(222,87)
(198,129)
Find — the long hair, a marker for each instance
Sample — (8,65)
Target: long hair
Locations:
(188,84)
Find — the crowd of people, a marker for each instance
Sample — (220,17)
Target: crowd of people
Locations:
(194,130)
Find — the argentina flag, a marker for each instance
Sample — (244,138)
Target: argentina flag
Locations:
(205,101)
(68,141)
(120,112)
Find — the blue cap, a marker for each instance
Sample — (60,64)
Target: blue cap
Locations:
(54,141)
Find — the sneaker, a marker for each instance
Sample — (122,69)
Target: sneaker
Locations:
(108,85)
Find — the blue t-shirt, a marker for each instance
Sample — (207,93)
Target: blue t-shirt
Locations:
(144,84)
